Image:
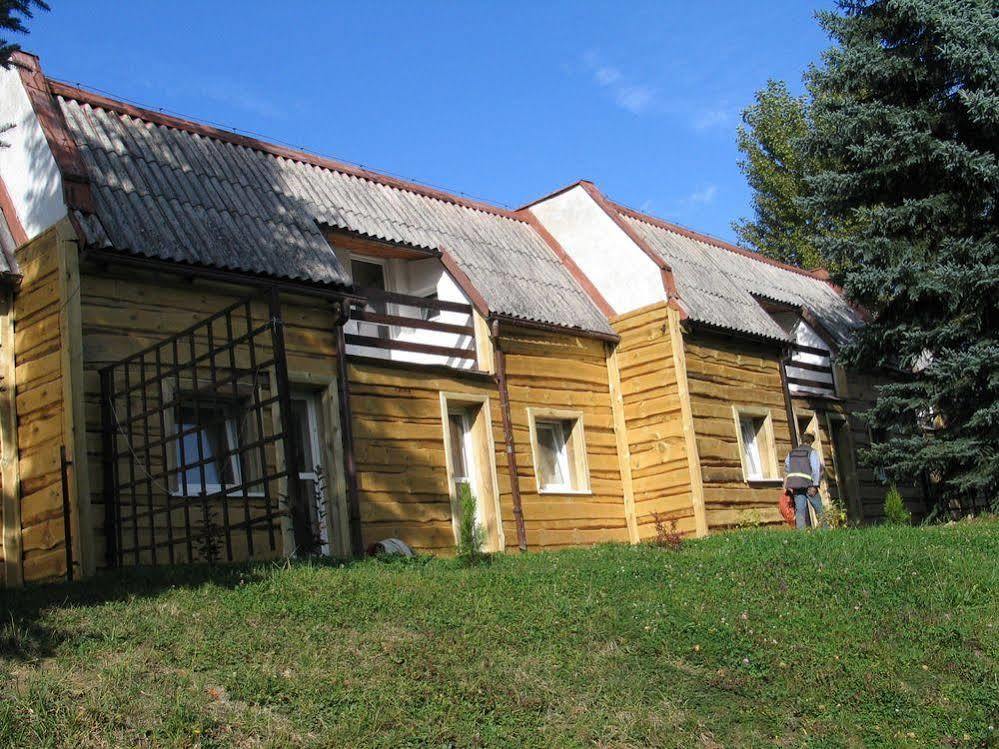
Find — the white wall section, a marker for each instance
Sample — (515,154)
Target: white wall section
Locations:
(27,165)
(625,276)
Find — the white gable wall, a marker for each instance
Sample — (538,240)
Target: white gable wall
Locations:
(625,276)
(27,166)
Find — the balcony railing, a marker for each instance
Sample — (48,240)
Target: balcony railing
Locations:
(809,372)
(402,327)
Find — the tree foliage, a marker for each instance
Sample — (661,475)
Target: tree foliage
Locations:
(907,129)
(776,166)
(13,15)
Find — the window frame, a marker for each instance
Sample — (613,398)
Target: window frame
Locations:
(483,476)
(769,464)
(176,483)
(574,459)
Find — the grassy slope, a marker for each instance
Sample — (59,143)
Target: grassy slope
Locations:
(865,638)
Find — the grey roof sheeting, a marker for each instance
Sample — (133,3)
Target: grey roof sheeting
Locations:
(173,194)
(720,287)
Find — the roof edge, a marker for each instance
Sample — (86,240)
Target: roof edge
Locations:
(553,194)
(75,93)
(673,297)
(16,229)
(549,327)
(819,274)
(75,180)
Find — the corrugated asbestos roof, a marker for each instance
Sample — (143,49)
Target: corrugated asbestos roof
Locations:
(719,287)
(169,193)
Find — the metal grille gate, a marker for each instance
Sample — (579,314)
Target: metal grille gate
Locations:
(200,456)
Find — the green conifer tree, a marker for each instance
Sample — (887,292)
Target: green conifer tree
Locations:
(13,14)
(908,128)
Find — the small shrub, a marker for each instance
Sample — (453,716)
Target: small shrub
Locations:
(895,511)
(835,514)
(667,537)
(470,534)
(319,502)
(208,543)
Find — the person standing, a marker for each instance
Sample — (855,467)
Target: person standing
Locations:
(804,470)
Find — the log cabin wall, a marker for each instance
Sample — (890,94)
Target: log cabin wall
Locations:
(45,312)
(399,446)
(556,372)
(124,311)
(397,419)
(724,372)
(661,477)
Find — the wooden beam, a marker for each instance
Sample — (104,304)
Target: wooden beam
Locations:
(74,406)
(9,468)
(372,293)
(368,341)
(410,322)
(686,414)
(621,437)
(485,357)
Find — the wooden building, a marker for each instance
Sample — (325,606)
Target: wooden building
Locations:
(215,348)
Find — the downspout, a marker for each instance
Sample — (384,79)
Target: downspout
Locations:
(511,452)
(792,422)
(347,431)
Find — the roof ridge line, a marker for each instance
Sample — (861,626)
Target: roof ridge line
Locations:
(83,96)
(819,274)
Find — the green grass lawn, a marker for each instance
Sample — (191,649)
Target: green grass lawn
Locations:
(876,637)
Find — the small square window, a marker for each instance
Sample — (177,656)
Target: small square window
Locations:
(208,449)
(754,432)
(559,452)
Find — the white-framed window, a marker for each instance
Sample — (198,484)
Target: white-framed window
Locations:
(209,450)
(559,449)
(462,455)
(470,458)
(755,437)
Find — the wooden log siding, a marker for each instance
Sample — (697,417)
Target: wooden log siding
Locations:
(399,448)
(565,372)
(39,374)
(124,311)
(725,372)
(660,473)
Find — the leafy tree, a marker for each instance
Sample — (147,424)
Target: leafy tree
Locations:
(13,14)
(775,166)
(908,131)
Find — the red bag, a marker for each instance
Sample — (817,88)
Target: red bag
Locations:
(786,506)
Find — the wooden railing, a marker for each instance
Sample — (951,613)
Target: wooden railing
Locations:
(394,322)
(810,372)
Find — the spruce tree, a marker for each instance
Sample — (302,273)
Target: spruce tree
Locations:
(13,14)
(909,118)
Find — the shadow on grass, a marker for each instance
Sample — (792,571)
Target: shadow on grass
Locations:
(24,635)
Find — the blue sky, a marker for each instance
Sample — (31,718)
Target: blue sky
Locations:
(502,101)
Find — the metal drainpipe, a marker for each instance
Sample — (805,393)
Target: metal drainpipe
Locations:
(347,431)
(792,422)
(511,451)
